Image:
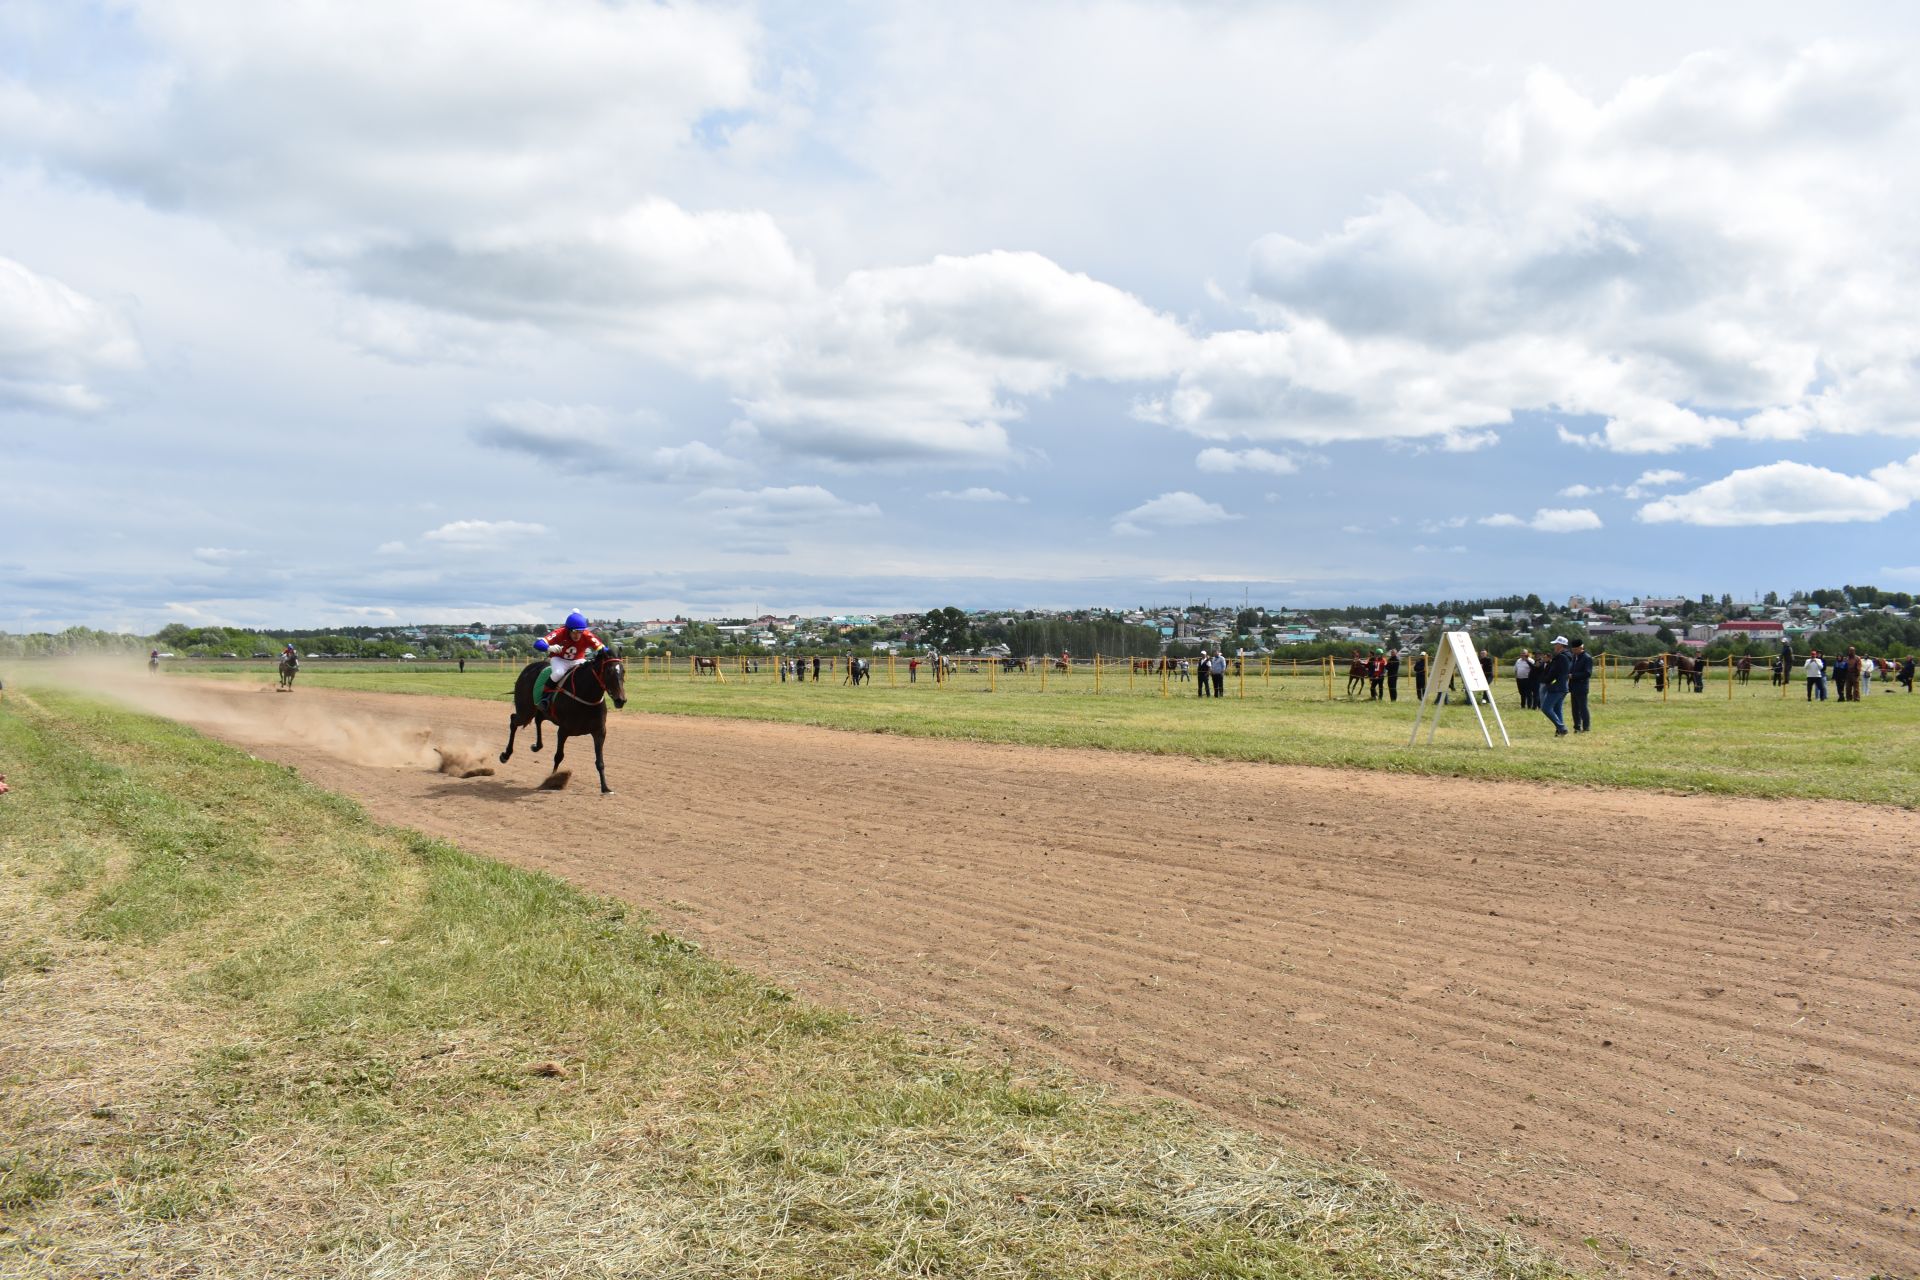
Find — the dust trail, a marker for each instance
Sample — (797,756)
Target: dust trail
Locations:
(261,715)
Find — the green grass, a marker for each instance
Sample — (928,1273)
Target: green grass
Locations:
(1755,743)
(252,1032)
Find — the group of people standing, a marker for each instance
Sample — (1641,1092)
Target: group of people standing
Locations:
(1851,675)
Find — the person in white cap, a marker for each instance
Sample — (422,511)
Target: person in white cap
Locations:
(1553,689)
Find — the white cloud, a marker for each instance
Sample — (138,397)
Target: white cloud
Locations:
(390,549)
(56,342)
(368,120)
(976,494)
(217,555)
(1547,520)
(779,507)
(1583,491)
(1792,493)
(1177,510)
(919,363)
(1715,251)
(694,461)
(1266,460)
(1650,481)
(483,535)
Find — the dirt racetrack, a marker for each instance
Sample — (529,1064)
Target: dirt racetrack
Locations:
(1684,1029)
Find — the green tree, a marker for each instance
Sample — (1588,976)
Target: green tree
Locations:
(948,629)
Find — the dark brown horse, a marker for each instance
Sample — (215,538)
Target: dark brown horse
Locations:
(289,668)
(1743,670)
(1356,674)
(576,706)
(706,665)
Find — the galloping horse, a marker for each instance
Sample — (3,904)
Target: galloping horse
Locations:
(289,668)
(1356,674)
(576,706)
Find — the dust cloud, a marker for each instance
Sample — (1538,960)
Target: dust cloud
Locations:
(263,715)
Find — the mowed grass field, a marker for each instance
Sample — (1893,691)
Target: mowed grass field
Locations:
(251,1032)
(1755,743)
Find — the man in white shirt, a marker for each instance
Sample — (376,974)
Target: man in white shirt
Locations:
(1523,678)
(1816,670)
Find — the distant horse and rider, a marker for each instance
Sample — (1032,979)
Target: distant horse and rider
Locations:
(289,668)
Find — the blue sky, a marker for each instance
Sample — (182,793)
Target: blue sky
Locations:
(440,310)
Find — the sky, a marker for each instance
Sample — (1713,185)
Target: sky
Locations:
(444,310)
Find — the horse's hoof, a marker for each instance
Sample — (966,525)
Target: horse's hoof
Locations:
(503,757)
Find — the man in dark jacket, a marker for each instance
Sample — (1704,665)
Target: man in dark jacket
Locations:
(1553,686)
(1420,675)
(1579,678)
(1393,675)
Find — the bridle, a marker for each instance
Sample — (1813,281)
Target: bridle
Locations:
(598,679)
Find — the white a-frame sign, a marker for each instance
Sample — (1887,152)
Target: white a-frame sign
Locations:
(1457,658)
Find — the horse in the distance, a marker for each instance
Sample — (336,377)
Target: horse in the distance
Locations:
(289,668)
(576,706)
(706,666)
(1356,674)
(1744,669)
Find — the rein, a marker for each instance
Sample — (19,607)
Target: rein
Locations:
(597,679)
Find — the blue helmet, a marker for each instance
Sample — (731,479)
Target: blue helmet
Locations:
(541,644)
(576,621)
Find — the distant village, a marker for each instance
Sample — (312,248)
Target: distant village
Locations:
(1635,627)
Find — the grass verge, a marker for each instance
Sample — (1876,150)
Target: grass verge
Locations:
(250,1031)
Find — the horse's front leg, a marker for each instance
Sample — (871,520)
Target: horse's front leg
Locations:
(513,727)
(559,747)
(600,758)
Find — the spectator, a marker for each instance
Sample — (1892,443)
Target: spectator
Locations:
(1786,662)
(1523,677)
(1816,670)
(1220,674)
(1420,675)
(1906,673)
(1553,691)
(1579,680)
(1376,675)
(463,666)
(1486,669)
(1393,675)
(816,668)
(913,671)
(1863,682)
(1200,669)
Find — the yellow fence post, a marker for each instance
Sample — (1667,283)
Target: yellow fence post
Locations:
(1131,660)
(1096,673)
(1729,679)
(1240,675)
(1666,678)
(1606,660)
(1266,673)
(1327,662)
(993,675)
(1045,662)
(1165,662)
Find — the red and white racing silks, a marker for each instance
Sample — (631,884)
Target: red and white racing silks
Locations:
(572,645)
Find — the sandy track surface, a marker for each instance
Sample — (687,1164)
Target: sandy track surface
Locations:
(1684,1028)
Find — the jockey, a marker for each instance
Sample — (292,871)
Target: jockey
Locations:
(568,645)
(287,654)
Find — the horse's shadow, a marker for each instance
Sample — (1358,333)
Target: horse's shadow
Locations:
(501,792)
